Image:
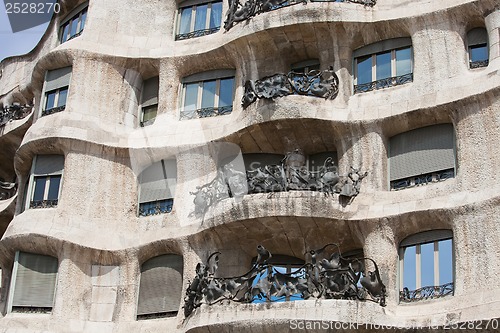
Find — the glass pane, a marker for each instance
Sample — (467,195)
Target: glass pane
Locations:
(409,272)
(445,261)
(83,19)
(200,22)
(383,62)
(427,264)
(39,188)
(149,112)
(191,96)
(74,26)
(65,32)
(51,98)
(364,70)
(63,94)
(478,53)
(208,95)
(226,92)
(55,182)
(216,15)
(185,25)
(403,61)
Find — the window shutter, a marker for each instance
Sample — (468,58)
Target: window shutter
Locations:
(427,237)
(161,285)
(385,45)
(49,165)
(35,280)
(58,78)
(158,181)
(421,151)
(150,91)
(477,36)
(262,159)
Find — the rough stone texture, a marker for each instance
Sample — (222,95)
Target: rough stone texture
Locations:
(101,243)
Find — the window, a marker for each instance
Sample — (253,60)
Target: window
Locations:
(149,101)
(157,188)
(160,289)
(56,90)
(477,40)
(426,265)
(422,156)
(73,25)
(45,181)
(198,18)
(384,64)
(33,283)
(207,94)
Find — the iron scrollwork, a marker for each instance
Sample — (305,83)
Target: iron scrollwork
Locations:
(428,292)
(324,84)
(14,112)
(44,203)
(321,277)
(53,110)
(7,190)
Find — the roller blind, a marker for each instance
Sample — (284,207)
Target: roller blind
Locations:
(49,165)
(426,237)
(421,151)
(35,280)
(385,45)
(150,91)
(57,78)
(161,285)
(477,36)
(261,160)
(158,181)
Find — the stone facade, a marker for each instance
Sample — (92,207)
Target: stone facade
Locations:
(100,239)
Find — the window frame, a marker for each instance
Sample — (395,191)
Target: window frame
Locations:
(45,203)
(482,44)
(152,103)
(75,14)
(192,33)
(56,108)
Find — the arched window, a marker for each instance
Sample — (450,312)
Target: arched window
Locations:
(422,156)
(477,44)
(33,283)
(157,188)
(384,64)
(45,181)
(198,18)
(426,265)
(160,287)
(149,101)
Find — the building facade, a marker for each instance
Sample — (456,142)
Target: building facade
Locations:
(211,166)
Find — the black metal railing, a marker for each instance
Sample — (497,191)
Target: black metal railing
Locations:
(478,64)
(428,292)
(75,35)
(53,110)
(7,190)
(384,83)
(207,112)
(156,207)
(197,33)
(424,179)
(14,112)
(44,203)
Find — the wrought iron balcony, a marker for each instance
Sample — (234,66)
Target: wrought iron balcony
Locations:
(53,110)
(478,64)
(156,207)
(424,179)
(197,33)
(7,190)
(384,83)
(206,112)
(429,292)
(44,203)
(14,112)
(75,35)
(244,10)
(323,276)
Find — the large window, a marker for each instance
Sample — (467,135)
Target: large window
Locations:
(477,41)
(160,289)
(73,25)
(207,94)
(33,283)
(56,90)
(422,156)
(426,265)
(383,64)
(149,101)
(157,188)
(45,181)
(198,18)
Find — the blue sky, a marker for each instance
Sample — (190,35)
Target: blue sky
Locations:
(19,43)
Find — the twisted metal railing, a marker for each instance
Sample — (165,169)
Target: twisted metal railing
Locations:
(384,83)
(478,64)
(424,179)
(53,110)
(428,292)
(14,112)
(7,190)
(206,112)
(44,203)
(321,277)
(156,208)
(197,33)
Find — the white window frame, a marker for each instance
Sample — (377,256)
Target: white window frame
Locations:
(194,4)
(76,14)
(31,185)
(56,99)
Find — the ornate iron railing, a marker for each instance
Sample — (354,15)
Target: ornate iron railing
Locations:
(14,112)
(324,84)
(323,276)
(156,207)
(7,190)
(424,179)
(197,33)
(44,203)
(78,34)
(478,64)
(53,110)
(206,112)
(244,10)
(429,292)
(383,83)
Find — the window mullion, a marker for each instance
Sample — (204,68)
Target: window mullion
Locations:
(418,267)
(436,263)
(374,67)
(217,93)
(393,63)
(56,98)
(199,96)
(46,189)
(207,18)
(401,268)
(193,18)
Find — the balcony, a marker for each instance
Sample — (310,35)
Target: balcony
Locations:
(14,112)
(384,83)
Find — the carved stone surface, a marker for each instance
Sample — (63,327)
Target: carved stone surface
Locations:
(7,190)
(14,112)
(241,11)
(314,83)
(321,277)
